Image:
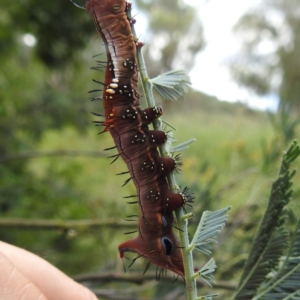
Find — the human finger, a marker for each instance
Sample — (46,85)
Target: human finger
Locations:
(54,284)
(14,285)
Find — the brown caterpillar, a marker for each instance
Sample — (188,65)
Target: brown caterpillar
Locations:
(136,144)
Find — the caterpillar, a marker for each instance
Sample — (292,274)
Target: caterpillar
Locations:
(135,142)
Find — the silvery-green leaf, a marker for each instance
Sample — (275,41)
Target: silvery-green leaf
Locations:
(168,124)
(183,146)
(209,227)
(171,85)
(206,272)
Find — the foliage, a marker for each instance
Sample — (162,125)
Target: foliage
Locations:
(208,229)
(285,126)
(34,97)
(169,22)
(270,242)
(268,62)
(284,283)
(45,19)
(171,85)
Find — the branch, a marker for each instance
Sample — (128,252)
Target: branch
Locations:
(26,155)
(82,225)
(138,279)
(129,293)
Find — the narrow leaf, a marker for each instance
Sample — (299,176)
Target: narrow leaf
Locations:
(209,227)
(171,85)
(206,272)
(260,262)
(182,146)
(287,280)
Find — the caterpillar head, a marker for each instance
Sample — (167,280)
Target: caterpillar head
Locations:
(159,247)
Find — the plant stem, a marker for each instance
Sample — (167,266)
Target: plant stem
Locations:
(191,289)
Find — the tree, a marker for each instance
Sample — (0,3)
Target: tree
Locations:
(175,34)
(269,60)
(36,95)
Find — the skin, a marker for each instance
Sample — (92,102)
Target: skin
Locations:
(25,276)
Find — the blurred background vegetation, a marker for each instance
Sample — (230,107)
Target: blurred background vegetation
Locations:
(59,197)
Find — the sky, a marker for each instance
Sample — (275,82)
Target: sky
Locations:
(210,74)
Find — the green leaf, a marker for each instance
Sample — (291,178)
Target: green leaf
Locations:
(178,148)
(209,227)
(268,260)
(171,85)
(206,272)
(207,297)
(168,124)
(286,282)
(261,261)
(182,146)
(293,296)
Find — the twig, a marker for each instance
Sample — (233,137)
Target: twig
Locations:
(82,225)
(26,155)
(138,279)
